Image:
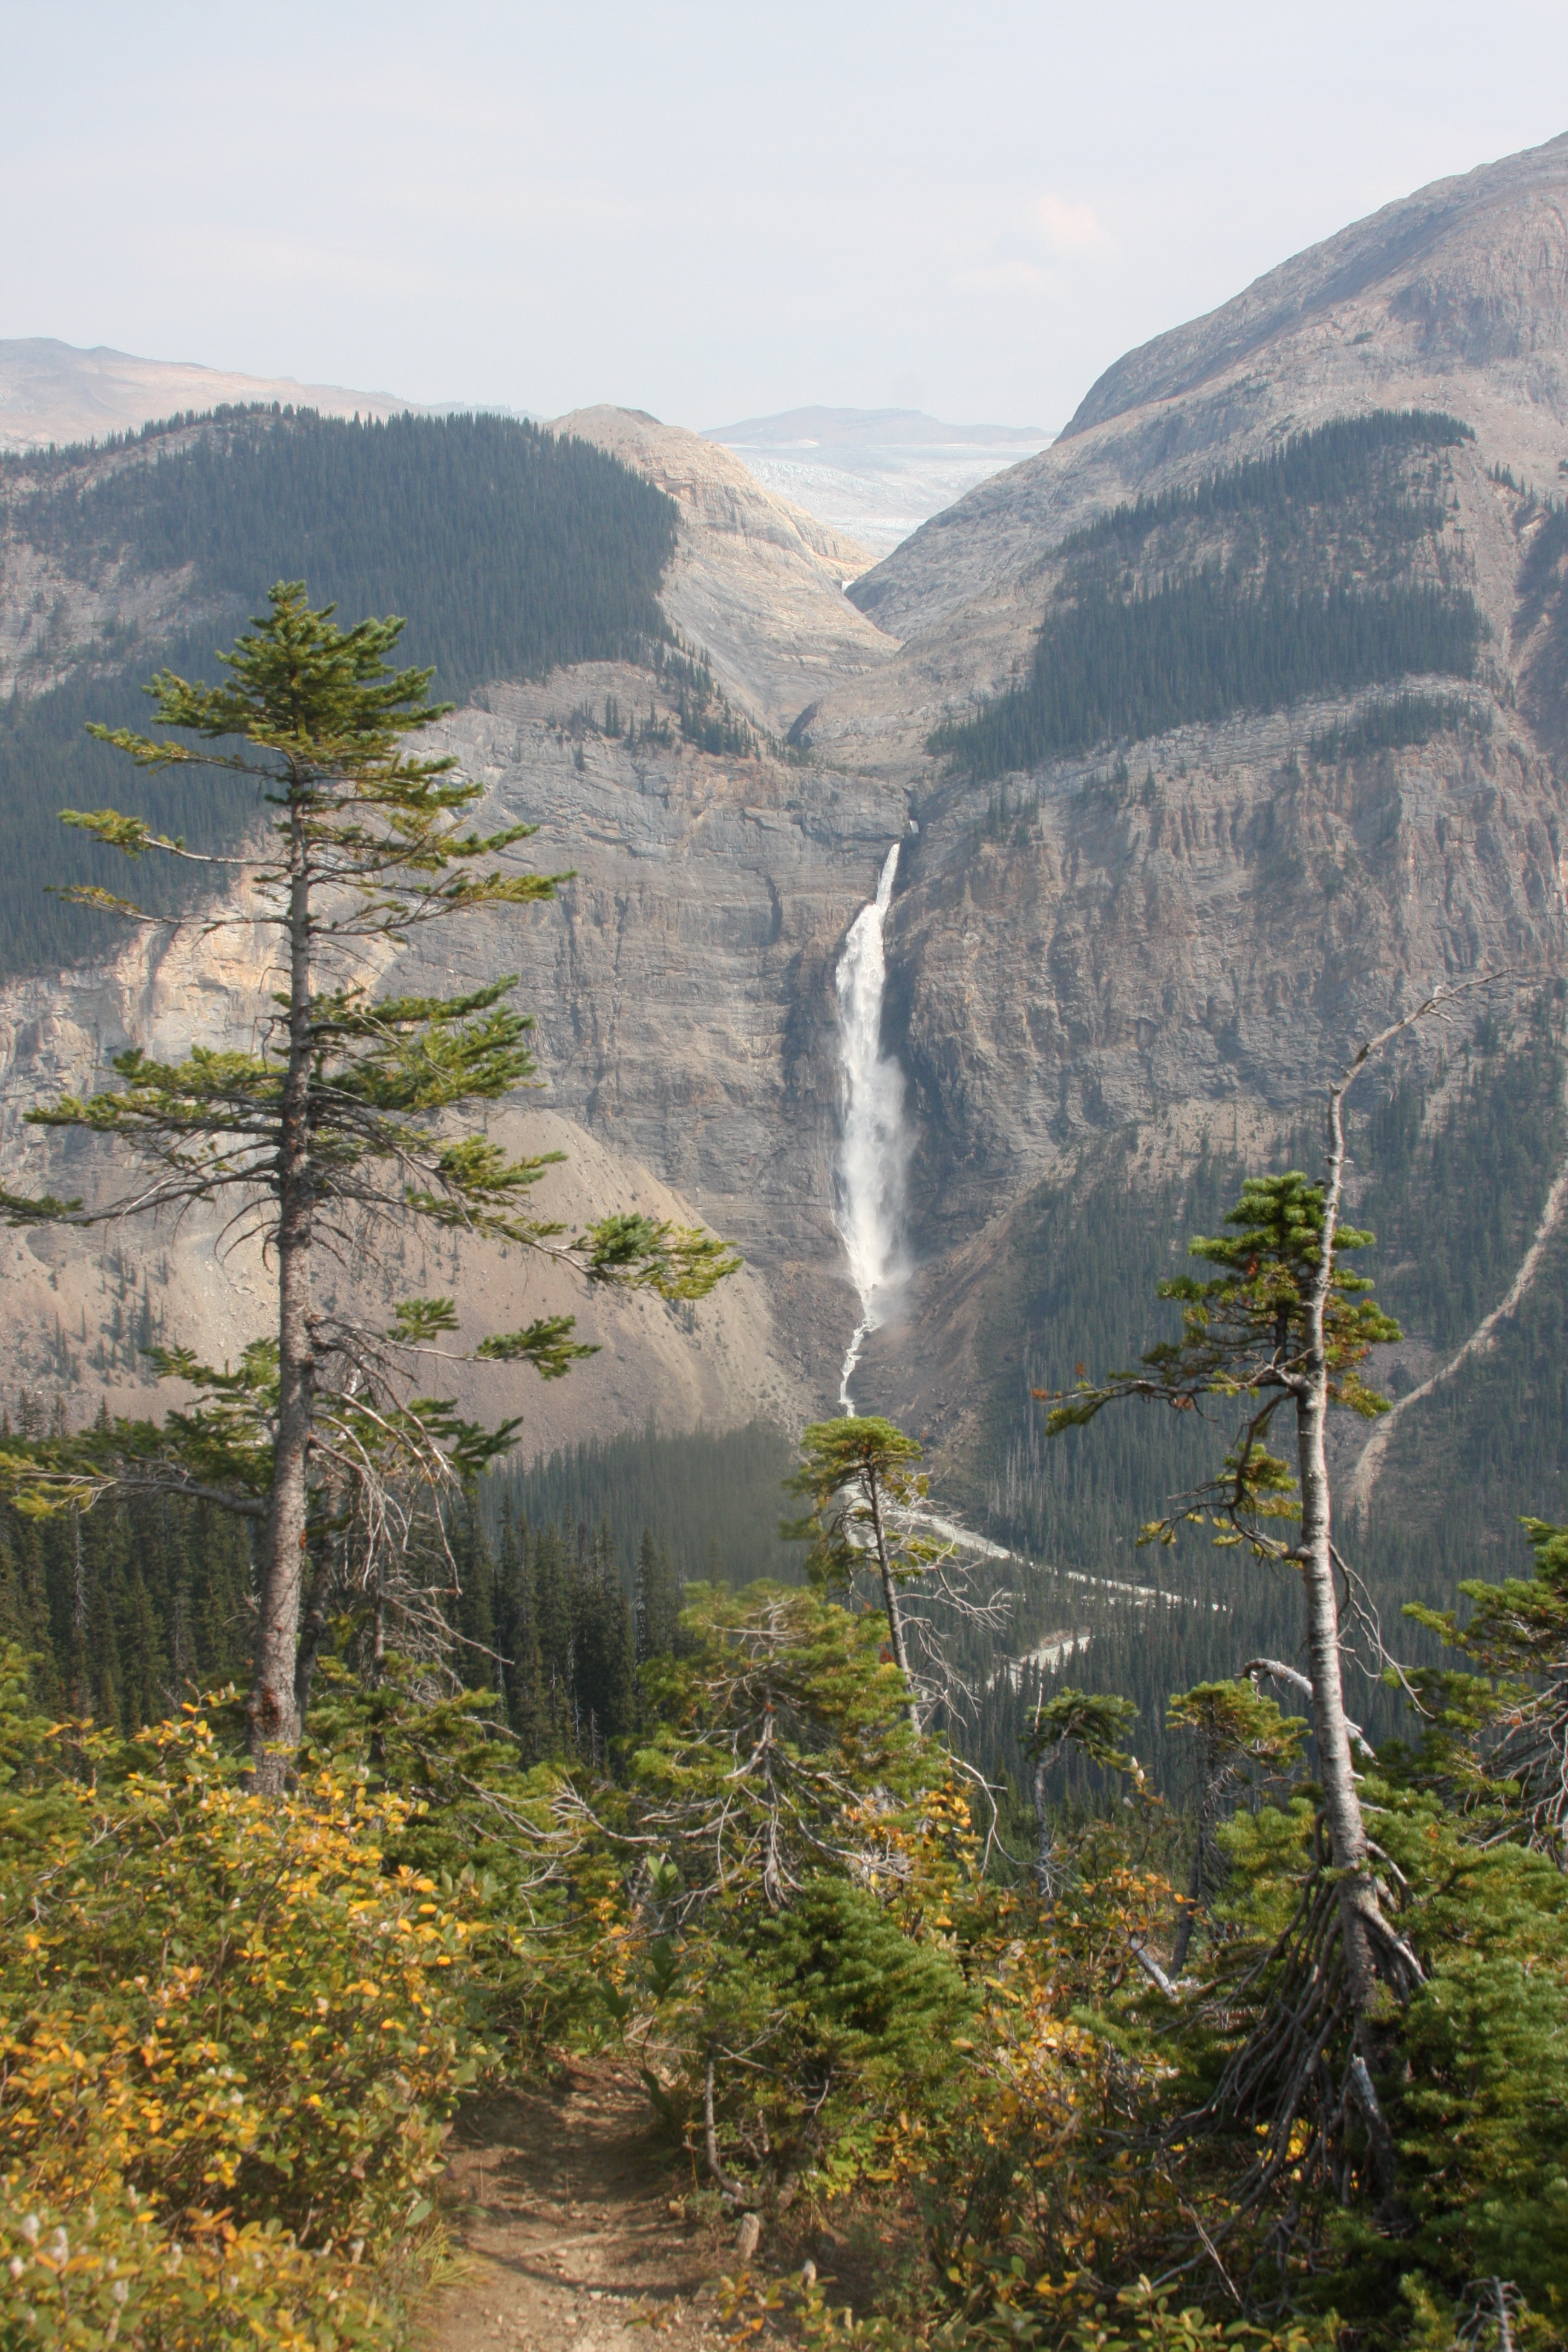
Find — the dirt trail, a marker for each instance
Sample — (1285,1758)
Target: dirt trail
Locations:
(562,2201)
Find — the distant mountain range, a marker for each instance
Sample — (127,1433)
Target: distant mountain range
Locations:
(53,391)
(876,473)
(873,475)
(878,429)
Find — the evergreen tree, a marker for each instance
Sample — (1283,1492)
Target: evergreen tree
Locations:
(1283,1327)
(474,1611)
(554,1601)
(346,1116)
(24,1606)
(1239,1735)
(604,1648)
(862,1478)
(517,1635)
(657,1599)
(144,1682)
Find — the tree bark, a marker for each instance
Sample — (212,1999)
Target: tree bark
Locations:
(1045,1843)
(890,1598)
(1359,1910)
(273,1710)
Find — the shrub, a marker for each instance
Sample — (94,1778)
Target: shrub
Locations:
(230,2035)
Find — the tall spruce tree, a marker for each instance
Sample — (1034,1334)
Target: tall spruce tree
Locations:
(862,1477)
(346,1118)
(517,1634)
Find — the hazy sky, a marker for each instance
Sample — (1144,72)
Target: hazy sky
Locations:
(717,211)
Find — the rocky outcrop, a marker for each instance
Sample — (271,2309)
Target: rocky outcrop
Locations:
(757,582)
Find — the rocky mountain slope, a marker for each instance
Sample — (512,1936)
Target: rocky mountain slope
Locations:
(757,582)
(1177,938)
(1105,966)
(52,392)
(708,897)
(1455,298)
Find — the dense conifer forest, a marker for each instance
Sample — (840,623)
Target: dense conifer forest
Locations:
(712,1498)
(509,551)
(1278,579)
(565,1576)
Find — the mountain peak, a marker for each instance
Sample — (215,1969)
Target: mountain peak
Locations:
(1472,261)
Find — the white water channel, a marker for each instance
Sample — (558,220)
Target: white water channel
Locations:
(874,1150)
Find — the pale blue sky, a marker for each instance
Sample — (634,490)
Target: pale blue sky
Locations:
(717,211)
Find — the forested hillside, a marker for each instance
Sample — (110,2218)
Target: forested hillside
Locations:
(1319,570)
(507,551)
(712,1498)
(564,1577)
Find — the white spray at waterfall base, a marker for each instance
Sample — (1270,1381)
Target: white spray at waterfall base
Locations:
(873,1157)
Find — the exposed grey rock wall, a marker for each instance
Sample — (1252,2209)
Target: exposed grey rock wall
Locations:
(757,582)
(1188,947)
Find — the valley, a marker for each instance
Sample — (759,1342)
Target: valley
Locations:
(784,1228)
(1128,952)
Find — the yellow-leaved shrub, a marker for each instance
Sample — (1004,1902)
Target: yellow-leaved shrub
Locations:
(229,2037)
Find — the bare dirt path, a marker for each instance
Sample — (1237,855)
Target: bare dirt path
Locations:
(562,2201)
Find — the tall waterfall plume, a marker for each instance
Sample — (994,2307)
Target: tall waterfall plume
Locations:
(873,1156)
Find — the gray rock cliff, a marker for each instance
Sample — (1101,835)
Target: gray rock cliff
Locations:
(1172,939)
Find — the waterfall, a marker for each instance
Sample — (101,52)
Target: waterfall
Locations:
(874,1150)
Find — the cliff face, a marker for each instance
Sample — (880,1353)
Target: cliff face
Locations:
(1180,937)
(681,989)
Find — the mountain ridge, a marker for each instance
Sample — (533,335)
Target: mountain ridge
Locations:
(1483,331)
(1336,270)
(55,393)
